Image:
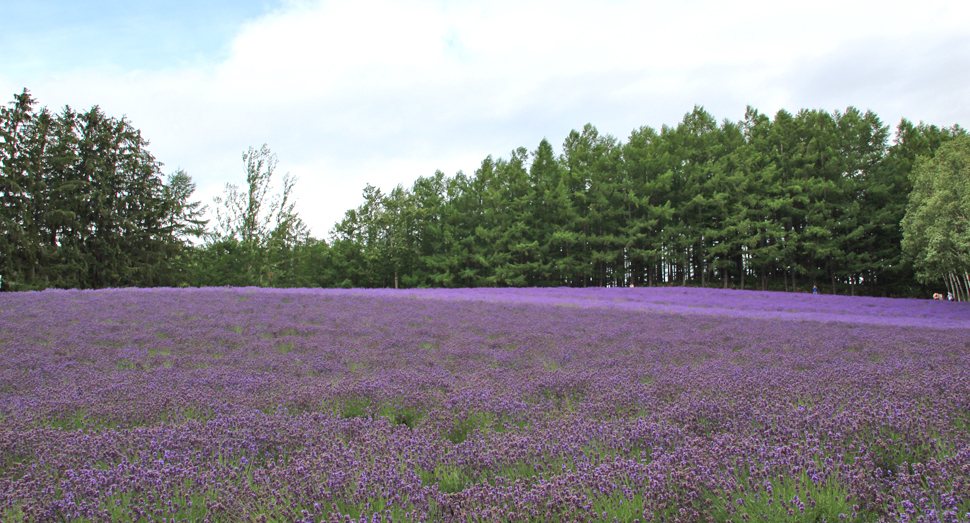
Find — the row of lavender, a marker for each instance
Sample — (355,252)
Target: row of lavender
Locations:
(481,405)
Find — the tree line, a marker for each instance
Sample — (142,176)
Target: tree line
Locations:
(784,203)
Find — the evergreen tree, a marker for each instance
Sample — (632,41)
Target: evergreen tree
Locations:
(650,207)
(813,195)
(84,203)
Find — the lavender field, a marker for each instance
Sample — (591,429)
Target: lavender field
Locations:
(482,405)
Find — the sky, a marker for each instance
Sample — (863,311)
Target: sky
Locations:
(348,93)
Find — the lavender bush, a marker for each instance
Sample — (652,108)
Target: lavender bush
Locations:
(482,405)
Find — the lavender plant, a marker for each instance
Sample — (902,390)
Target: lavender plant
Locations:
(482,405)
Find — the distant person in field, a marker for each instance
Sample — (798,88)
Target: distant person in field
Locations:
(937,296)
(814,289)
(949,296)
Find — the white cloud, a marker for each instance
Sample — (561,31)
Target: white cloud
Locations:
(377,91)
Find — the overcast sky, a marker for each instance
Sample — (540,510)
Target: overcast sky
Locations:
(349,93)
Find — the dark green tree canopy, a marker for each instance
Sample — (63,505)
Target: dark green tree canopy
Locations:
(788,202)
(84,204)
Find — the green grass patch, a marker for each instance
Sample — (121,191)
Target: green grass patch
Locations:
(14,513)
(401,415)
(364,407)
(894,453)
(81,420)
(619,506)
(449,478)
(466,424)
(785,499)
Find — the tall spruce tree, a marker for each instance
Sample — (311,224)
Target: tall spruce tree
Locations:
(84,202)
(812,197)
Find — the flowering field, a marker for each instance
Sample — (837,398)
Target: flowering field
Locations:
(482,405)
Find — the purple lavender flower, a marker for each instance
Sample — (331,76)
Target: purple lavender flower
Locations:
(462,405)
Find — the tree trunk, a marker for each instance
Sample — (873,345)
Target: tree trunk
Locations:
(959,283)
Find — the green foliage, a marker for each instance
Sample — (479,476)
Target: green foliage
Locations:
(936,228)
(449,479)
(895,452)
(259,238)
(83,203)
(795,499)
(466,424)
(462,428)
(365,407)
(355,407)
(786,203)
